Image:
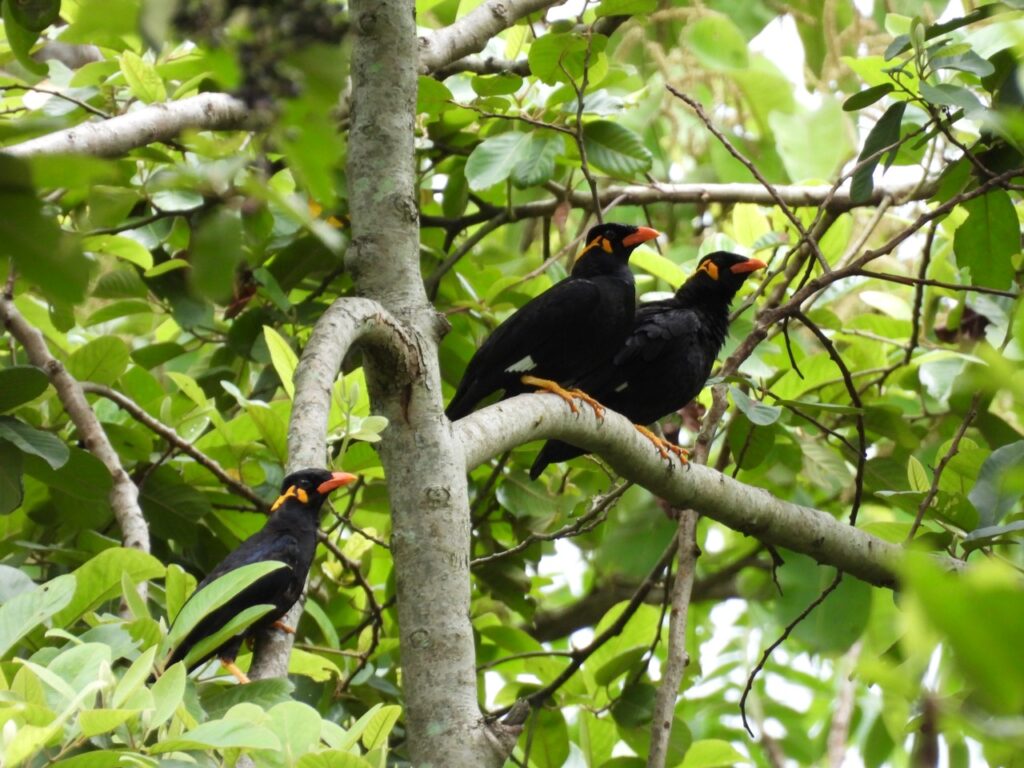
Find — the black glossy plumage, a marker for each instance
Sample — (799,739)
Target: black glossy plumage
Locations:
(668,355)
(565,332)
(288,536)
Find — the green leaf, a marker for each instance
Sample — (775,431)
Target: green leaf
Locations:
(635,707)
(120,246)
(379,727)
(235,626)
(615,149)
(12,491)
(142,78)
(297,725)
(168,692)
(917,475)
(556,53)
(35,15)
(885,132)
(867,97)
(834,625)
(42,254)
(813,145)
(21,39)
(93,722)
(216,594)
(654,263)
(283,357)
(625,7)
(432,97)
(987,239)
(34,441)
(717,42)
(220,734)
(493,159)
(19,384)
(216,251)
(101,361)
(951,95)
(759,413)
(495,85)
(27,610)
(968,61)
(712,753)
(167,266)
(536,161)
(178,585)
(332,758)
(99,579)
(1000,483)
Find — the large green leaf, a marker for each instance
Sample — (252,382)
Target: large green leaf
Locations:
(26,611)
(493,159)
(885,132)
(219,734)
(19,384)
(216,251)
(34,441)
(12,491)
(615,149)
(988,238)
(717,42)
(214,595)
(813,144)
(99,579)
(283,357)
(101,361)
(236,625)
(557,56)
(1000,483)
(536,163)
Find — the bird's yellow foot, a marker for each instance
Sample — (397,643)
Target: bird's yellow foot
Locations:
(283,627)
(546,385)
(664,446)
(230,666)
(598,408)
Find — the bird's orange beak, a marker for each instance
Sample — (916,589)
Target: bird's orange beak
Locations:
(642,235)
(337,480)
(750,265)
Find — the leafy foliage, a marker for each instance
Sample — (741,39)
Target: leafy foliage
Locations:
(186,276)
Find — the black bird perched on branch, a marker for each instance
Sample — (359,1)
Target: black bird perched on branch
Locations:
(668,355)
(289,536)
(572,328)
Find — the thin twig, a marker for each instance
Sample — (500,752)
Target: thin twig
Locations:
(137,412)
(677,659)
(954,448)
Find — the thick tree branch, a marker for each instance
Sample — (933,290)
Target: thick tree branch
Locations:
(124,495)
(347,323)
(157,122)
(472,32)
(746,509)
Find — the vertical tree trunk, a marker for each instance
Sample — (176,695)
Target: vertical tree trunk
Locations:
(424,462)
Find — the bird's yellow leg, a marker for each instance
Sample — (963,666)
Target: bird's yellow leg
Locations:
(664,446)
(598,408)
(546,385)
(283,627)
(230,666)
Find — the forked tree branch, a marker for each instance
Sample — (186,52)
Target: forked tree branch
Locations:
(753,511)
(348,323)
(472,32)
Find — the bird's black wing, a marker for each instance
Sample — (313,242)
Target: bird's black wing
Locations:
(659,327)
(543,328)
(271,588)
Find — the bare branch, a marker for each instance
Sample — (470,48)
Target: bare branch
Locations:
(471,33)
(749,510)
(157,122)
(124,495)
(678,660)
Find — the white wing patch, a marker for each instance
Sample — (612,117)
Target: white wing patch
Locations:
(522,366)
(622,387)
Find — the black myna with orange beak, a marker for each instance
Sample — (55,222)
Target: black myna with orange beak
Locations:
(572,328)
(667,358)
(289,537)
